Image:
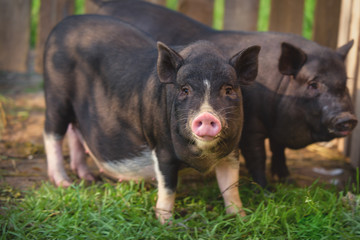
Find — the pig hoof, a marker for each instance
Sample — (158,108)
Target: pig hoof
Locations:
(62,183)
(84,173)
(242,213)
(288,181)
(88,177)
(60,180)
(163,216)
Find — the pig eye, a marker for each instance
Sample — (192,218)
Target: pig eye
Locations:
(313,85)
(229,90)
(185,90)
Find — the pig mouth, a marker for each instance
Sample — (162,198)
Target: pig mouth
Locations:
(205,138)
(343,127)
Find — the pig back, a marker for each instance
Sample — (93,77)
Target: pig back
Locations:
(99,67)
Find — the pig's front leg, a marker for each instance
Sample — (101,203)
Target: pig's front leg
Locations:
(77,154)
(227,174)
(167,175)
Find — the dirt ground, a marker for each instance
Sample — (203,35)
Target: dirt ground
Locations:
(23,163)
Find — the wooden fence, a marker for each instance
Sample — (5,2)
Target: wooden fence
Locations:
(335,23)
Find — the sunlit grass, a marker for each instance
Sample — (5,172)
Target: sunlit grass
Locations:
(126,211)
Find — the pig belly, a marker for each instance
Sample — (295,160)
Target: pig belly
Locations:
(136,168)
(141,167)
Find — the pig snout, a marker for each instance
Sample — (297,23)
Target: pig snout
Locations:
(206,126)
(343,124)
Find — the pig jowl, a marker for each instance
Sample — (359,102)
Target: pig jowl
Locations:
(299,96)
(143,110)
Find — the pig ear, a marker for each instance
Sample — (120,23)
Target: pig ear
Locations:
(344,50)
(246,64)
(168,63)
(291,60)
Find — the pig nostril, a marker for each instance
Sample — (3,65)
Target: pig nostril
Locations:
(346,125)
(213,124)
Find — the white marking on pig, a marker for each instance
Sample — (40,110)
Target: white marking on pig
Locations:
(139,167)
(227,174)
(55,165)
(205,107)
(166,197)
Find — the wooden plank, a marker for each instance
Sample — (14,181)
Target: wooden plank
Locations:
(354,69)
(200,10)
(159,2)
(241,15)
(91,6)
(287,16)
(349,28)
(326,23)
(343,144)
(14,34)
(355,139)
(51,12)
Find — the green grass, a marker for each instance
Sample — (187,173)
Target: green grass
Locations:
(125,211)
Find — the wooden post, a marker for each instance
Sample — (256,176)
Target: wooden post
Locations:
(349,28)
(14,34)
(90,6)
(241,15)
(200,10)
(326,23)
(287,16)
(159,2)
(51,12)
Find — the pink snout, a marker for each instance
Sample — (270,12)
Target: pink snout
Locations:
(206,126)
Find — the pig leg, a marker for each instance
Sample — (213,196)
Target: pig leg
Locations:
(166,175)
(77,155)
(56,170)
(253,150)
(278,161)
(227,174)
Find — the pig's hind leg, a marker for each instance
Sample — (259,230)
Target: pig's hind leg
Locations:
(55,165)
(58,115)
(77,154)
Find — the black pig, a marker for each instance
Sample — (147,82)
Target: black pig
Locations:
(143,112)
(300,96)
